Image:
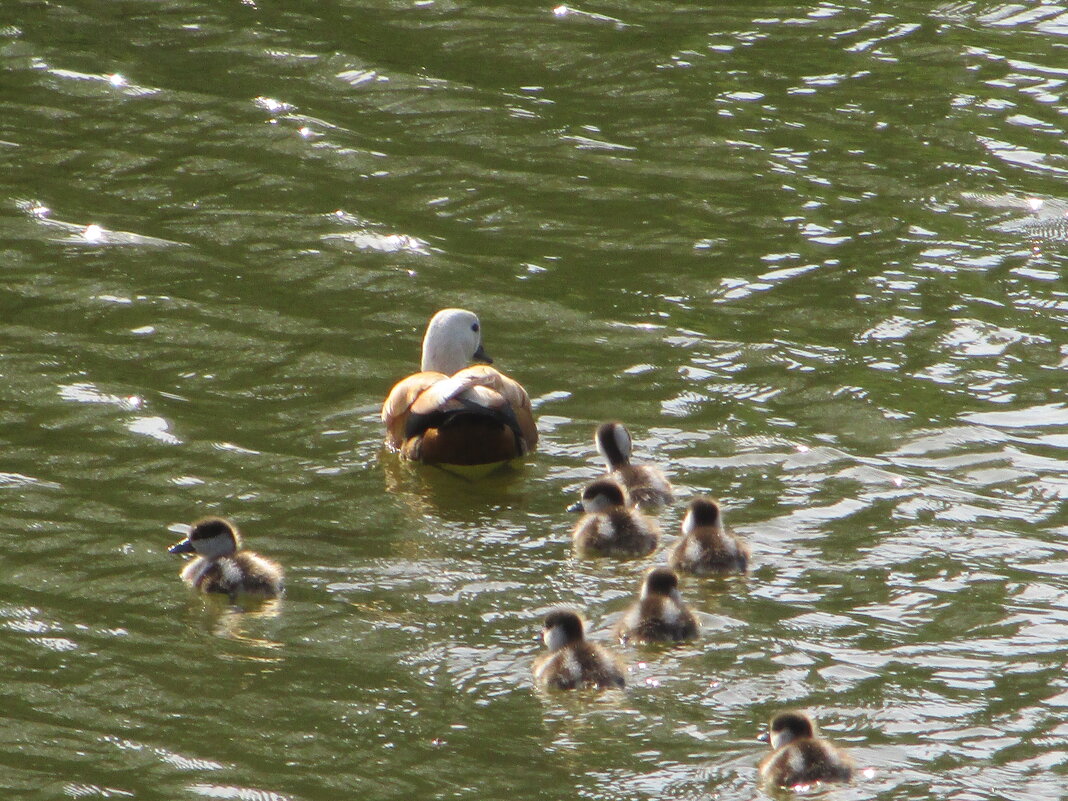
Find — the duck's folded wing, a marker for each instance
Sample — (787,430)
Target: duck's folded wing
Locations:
(428,398)
(461,400)
(512,392)
(399,402)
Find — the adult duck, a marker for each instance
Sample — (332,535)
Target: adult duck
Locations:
(450,413)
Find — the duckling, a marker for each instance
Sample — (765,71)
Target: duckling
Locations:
(221,565)
(449,413)
(660,613)
(646,486)
(800,755)
(573,661)
(610,527)
(705,547)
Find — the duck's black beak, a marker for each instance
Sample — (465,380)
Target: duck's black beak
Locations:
(575,507)
(480,355)
(185,546)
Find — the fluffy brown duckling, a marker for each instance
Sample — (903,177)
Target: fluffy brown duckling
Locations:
(572,661)
(660,613)
(646,486)
(800,755)
(705,547)
(610,527)
(220,564)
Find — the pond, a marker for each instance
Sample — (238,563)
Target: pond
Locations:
(812,255)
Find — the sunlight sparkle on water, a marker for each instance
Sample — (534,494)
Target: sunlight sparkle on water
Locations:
(93,233)
(116,80)
(272,105)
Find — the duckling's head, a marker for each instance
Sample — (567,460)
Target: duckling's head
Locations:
(661,581)
(211,537)
(702,512)
(789,726)
(613,443)
(562,627)
(453,340)
(600,496)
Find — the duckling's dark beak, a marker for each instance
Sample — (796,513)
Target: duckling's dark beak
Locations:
(481,355)
(185,546)
(764,737)
(575,507)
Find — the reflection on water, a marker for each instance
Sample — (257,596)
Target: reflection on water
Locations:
(812,256)
(235,620)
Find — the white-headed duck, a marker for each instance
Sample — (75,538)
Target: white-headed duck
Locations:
(660,613)
(646,486)
(705,548)
(220,564)
(572,661)
(610,527)
(800,755)
(449,413)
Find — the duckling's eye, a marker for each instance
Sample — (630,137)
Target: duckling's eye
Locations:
(474,327)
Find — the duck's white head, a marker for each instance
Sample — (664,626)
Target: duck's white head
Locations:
(562,627)
(613,443)
(212,537)
(453,340)
(789,726)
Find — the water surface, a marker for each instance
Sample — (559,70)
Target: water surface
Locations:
(812,255)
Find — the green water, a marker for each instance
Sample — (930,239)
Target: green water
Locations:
(812,255)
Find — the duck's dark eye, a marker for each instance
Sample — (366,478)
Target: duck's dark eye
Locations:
(474,327)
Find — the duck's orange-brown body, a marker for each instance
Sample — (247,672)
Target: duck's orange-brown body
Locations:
(477,416)
(451,413)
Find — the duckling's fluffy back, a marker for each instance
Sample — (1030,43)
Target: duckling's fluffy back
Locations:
(723,554)
(244,572)
(579,665)
(806,761)
(657,618)
(646,486)
(616,532)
